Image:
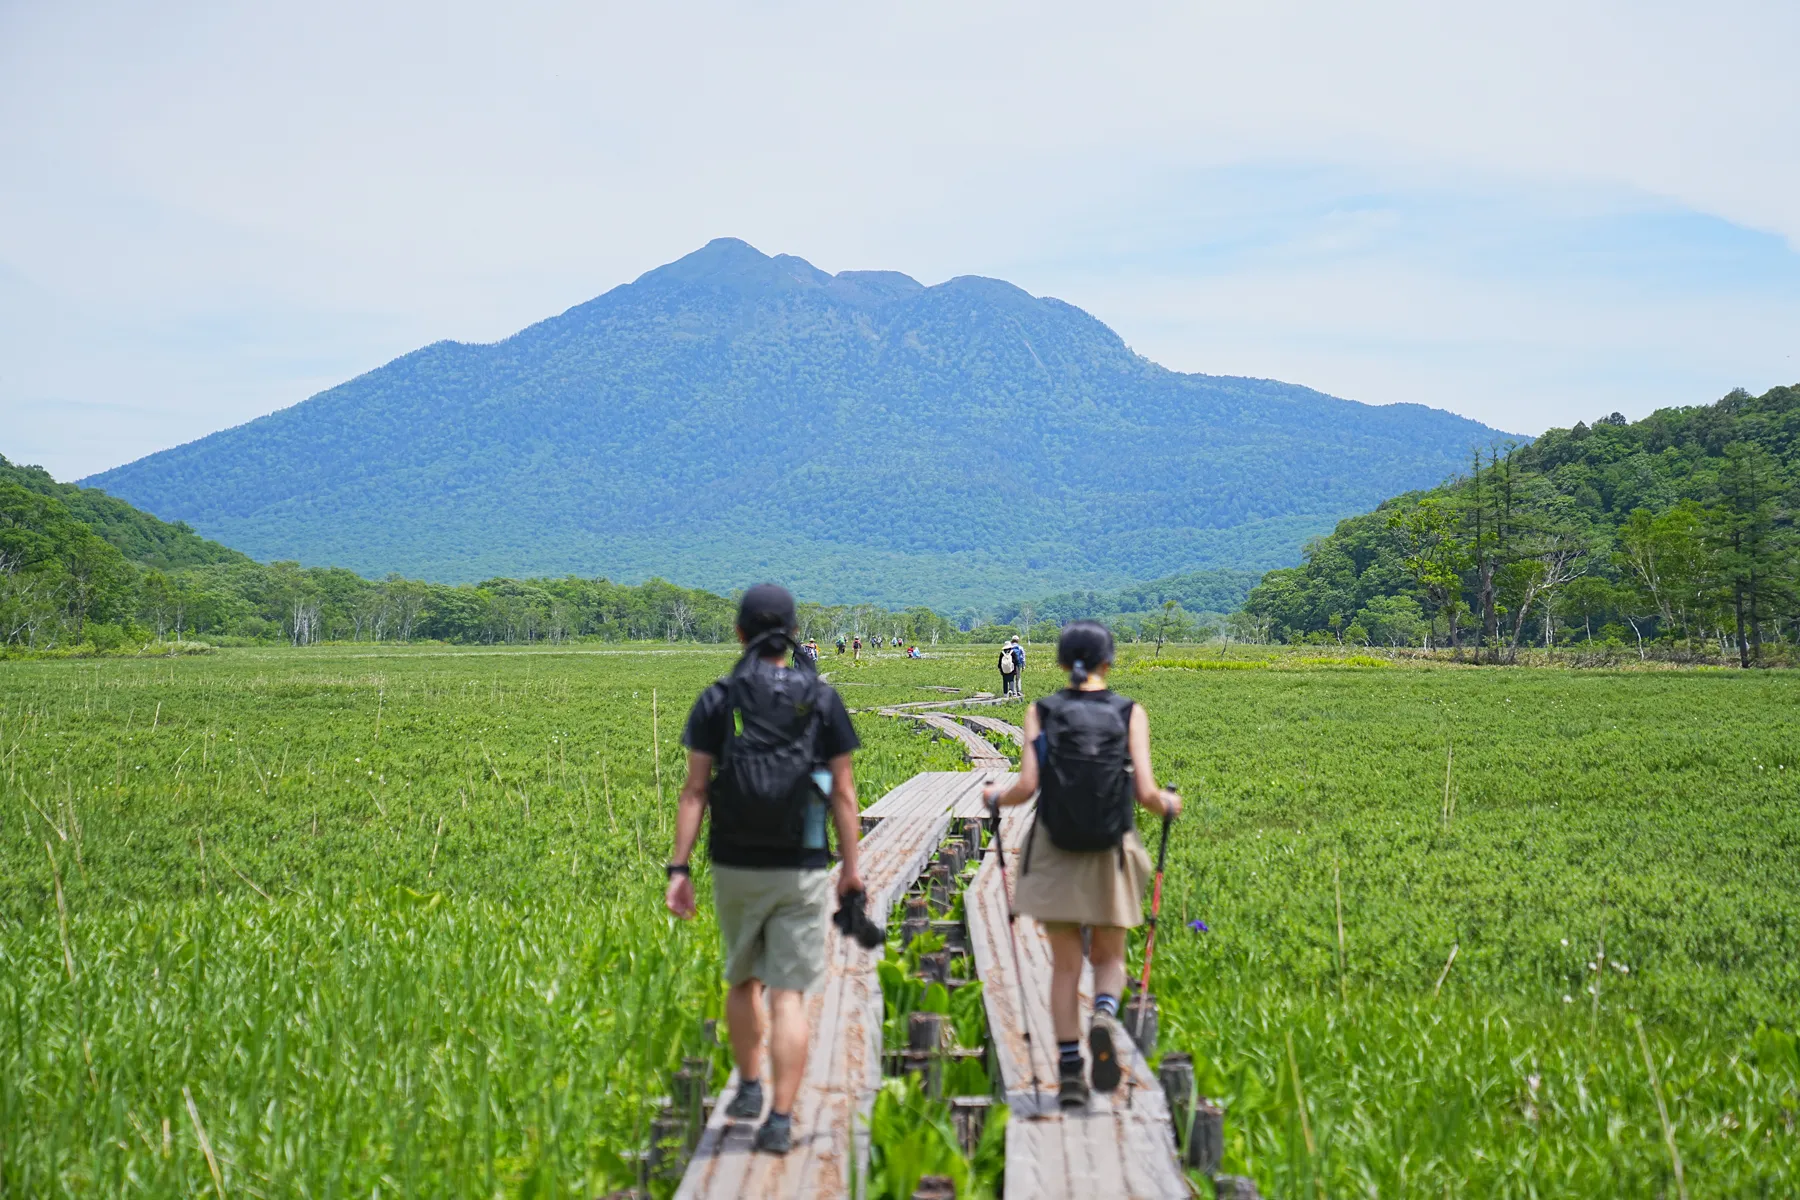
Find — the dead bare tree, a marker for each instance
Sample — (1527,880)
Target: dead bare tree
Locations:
(1562,560)
(306,629)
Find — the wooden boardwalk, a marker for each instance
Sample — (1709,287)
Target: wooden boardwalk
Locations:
(981,724)
(1122,1145)
(983,755)
(978,700)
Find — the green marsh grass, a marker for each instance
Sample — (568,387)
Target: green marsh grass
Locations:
(392,920)
(434,961)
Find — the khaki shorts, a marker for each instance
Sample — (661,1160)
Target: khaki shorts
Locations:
(773,924)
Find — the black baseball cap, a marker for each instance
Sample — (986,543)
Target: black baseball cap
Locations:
(764,607)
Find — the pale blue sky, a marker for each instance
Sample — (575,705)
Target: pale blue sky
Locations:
(1530,216)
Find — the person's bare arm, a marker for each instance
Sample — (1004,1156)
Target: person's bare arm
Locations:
(1158,800)
(849,824)
(688,812)
(1027,785)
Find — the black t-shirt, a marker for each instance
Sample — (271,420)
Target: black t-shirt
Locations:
(708,723)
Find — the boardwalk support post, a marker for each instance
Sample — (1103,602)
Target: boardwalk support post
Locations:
(668,1137)
(935,967)
(1206,1138)
(943,885)
(968,1114)
(917,921)
(1176,1074)
(925,1041)
(687,1094)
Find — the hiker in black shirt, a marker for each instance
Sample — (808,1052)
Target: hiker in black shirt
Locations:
(780,740)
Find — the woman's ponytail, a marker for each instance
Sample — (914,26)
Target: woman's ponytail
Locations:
(1078,673)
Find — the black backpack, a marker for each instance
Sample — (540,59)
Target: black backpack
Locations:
(1086,785)
(763,781)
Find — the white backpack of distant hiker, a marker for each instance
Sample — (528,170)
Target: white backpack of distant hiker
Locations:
(1008,664)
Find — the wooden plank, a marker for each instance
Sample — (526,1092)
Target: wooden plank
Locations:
(993,725)
(899,798)
(984,907)
(967,803)
(955,792)
(980,752)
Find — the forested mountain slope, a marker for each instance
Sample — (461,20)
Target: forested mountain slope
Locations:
(137,535)
(83,572)
(732,416)
(1676,530)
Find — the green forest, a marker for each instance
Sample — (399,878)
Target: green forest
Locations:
(82,572)
(1674,536)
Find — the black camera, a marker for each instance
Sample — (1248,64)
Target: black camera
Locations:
(852,921)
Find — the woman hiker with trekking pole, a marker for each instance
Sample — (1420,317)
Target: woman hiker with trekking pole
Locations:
(1087,758)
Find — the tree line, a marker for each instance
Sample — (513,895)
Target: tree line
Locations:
(1674,535)
(82,569)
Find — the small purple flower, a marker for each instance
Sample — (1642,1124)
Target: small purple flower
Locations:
(1198,926)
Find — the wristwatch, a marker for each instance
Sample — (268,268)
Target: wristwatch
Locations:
(674,869)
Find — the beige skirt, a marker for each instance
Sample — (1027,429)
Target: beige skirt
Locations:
(1099,887)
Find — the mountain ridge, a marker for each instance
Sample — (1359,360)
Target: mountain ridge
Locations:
(732,415)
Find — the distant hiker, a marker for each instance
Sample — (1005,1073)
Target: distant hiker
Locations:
(1088,750)
(766,744)
(840,645)
(1009,670)
(856,650)
(1018,653)
(810,652)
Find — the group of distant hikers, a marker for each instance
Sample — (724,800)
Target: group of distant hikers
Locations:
(810,650)
(769,757)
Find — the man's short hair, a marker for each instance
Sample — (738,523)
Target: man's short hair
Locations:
(764,607)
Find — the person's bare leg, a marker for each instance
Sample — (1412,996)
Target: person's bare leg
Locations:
(1065,983)
(743,1012)
(1107,953)
(787,1046)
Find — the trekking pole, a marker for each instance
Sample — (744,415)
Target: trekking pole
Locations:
(1018,972)
(1162,855)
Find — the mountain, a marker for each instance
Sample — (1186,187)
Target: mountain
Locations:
(733,416)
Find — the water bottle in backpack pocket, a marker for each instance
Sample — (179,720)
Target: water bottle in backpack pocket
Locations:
(1086,785)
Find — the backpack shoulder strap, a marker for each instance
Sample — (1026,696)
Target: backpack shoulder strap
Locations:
(1121,705)
(726,686)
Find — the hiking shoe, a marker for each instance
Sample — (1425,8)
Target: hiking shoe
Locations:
(774,1139)
(747,1104)
(1073,1093)
(1102,1048)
